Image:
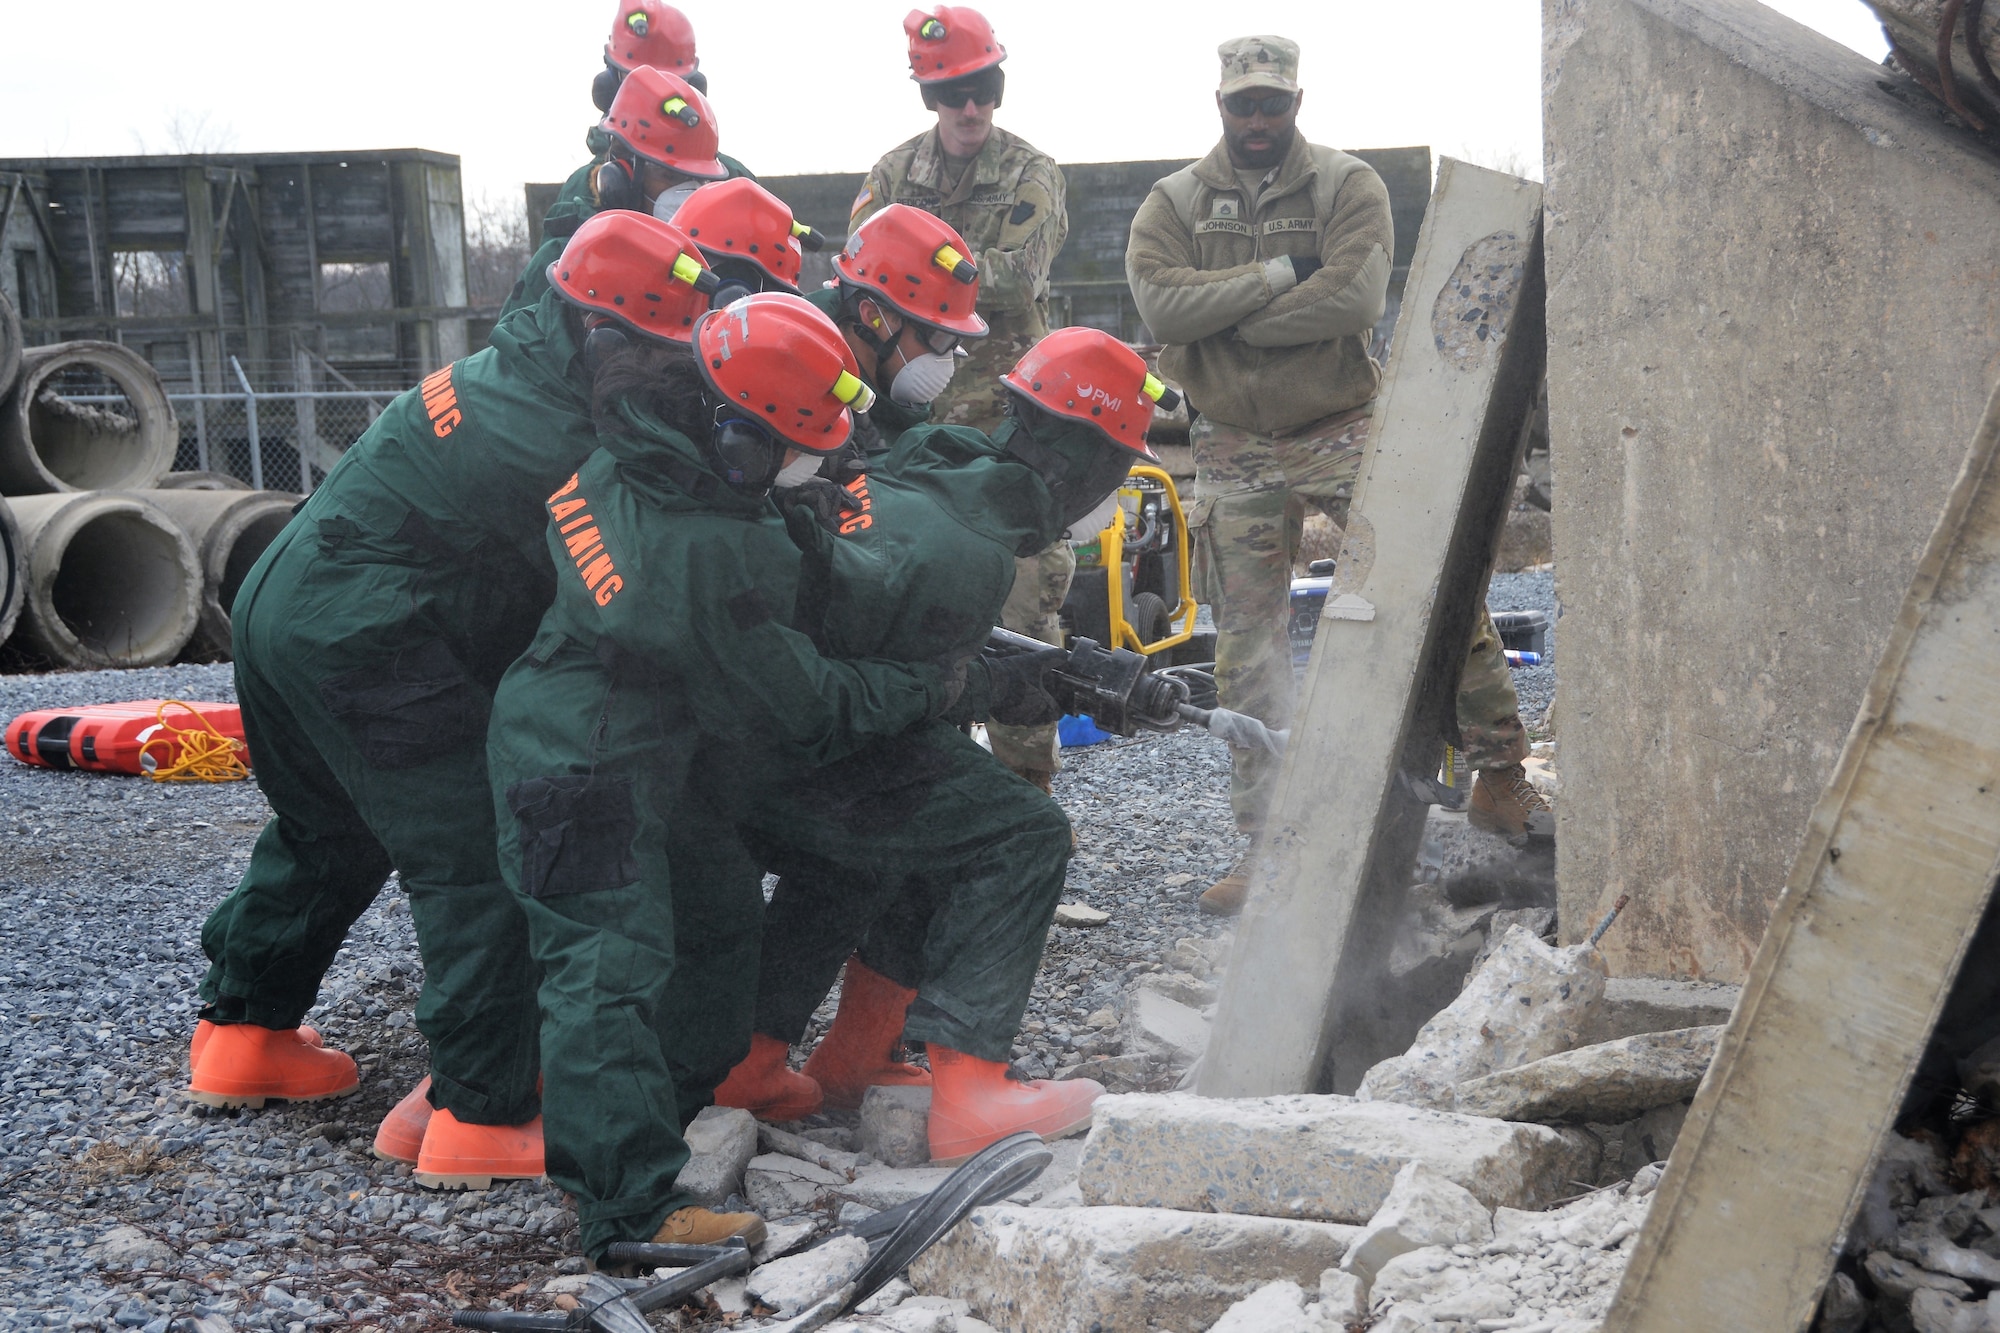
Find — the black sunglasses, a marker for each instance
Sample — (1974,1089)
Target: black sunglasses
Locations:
(1271,104)
(980,88)
(941,341)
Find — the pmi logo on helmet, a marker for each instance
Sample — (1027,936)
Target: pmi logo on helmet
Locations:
(1091,393)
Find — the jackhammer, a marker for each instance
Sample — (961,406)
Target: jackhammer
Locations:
(1117,689)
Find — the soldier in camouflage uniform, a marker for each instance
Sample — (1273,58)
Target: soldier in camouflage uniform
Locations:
(1264,267)
(1005,197)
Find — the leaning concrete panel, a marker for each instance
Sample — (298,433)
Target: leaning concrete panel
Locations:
(1774,315)
(1305,990)
(1884,897)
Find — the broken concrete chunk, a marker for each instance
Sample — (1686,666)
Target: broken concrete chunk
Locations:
(1080,914)
(889,1186)
(721,1141)
(1118,1270)
(1651,1138)
(1530,1000)
(1938,1255)
(927,1314)
(1322,1157)
(781,1238)
(1423,1209)
(895,1125)
(1899,1280)
(1343,1298)
(790,1285)
(1843,1309)
(781,1186)
(1277,1308)
(1606,1083)
(1933,1311)
(1165,1029)
(129,1247)
(839,1161)
(1178,986)
(1633,1005)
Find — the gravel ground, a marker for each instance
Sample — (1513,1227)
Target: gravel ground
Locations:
(281,1218)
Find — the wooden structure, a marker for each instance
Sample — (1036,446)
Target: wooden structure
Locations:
(294,263)
(1862,950)
(1305,1003)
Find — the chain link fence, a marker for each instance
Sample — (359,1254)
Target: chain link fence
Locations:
(282,441)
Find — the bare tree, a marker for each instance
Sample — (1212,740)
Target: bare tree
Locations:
(496,246)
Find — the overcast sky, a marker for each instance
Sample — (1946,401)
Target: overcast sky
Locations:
(819,86)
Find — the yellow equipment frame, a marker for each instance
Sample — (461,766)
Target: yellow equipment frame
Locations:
(1112,545)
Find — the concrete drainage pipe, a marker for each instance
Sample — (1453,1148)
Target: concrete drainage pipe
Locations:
(229,529)
(50,443)
(111,581)
(10,347)
(13,571)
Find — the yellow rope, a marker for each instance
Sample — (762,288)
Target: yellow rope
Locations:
(206,754)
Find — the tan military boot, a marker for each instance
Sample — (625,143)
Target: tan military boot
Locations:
(1502,800)
(700,1226)
(1225,897)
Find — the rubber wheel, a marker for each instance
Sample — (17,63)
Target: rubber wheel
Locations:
(1149,617)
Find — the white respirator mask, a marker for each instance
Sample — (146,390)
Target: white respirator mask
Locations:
(923,378)
(671,199)
(1085,529)
(798,472)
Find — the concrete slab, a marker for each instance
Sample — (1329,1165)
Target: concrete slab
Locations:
(1304,988)
(1633,1005)
(1327,1158)
(1119,1270)
(1884,899)
(1773,296)
(1605,1084)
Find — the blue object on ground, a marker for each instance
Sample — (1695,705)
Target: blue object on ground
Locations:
(1073,731)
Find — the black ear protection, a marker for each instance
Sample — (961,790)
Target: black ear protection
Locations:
(747,453)
(696,80)
(605,86)
(616,185)
(603,338)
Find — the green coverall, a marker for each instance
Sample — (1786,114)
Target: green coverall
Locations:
(666,625)
(369,638)
(943,866)
(575,204)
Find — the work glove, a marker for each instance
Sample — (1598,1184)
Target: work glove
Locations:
(827,503)
(1304,266)
(1010,690)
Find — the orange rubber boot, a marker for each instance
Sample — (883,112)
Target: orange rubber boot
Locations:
(764,1085)
(401,1135)
(974,1103)
(858,1051)
(458,1156)
(202,1027)
(244,1065)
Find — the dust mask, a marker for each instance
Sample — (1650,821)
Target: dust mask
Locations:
(671,199)
(798,472)
(1085,529)
(922,378)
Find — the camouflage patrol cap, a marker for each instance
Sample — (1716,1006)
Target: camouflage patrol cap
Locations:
(1259,62)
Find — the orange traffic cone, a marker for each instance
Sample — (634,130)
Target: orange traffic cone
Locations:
(858,1051)
(974,1103)
(764,1085)
(400,1137)
(456,1155)
(244,1065)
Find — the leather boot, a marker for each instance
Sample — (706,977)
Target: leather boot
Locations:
(700,1226)
(459,1156)
(764,1085)
(202,1029)
(1502,799)
(400,1138)
(858,1051)
(974,1103)
(244,1065)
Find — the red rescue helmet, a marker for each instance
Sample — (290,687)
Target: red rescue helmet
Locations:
(646,32)
(740,219)
(784,365)
(917,265)
(1089,376)
(639,271)
(660,117)
(950,42)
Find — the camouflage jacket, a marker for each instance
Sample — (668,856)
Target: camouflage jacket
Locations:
(1211,273)
(1009,208)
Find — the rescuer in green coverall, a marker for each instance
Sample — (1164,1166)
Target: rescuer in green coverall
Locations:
(952,865)
(675,575)
(657,38)
(369,638)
